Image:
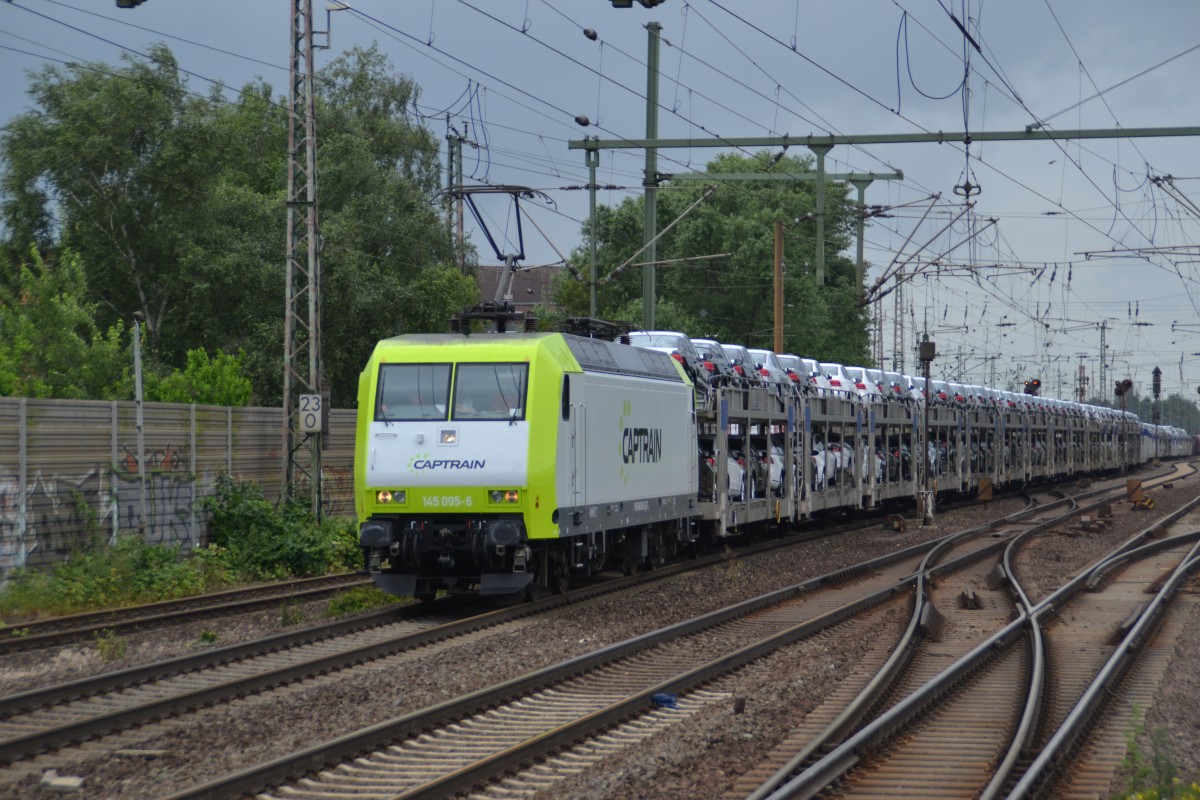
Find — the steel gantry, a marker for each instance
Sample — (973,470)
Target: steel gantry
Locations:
(820,145)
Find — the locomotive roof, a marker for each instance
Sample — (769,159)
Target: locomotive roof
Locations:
(593,355)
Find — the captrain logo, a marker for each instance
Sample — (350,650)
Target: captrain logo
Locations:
(639,444)
(422,462)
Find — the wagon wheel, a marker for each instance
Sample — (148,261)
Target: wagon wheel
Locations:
(560,576)
(535,591)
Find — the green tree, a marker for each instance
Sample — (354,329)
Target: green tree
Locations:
(175,203)
(50,345)
(218,381)
(112,165)
(731,299)
(385,245)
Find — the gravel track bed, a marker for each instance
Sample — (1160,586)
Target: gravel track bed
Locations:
(694,760)
(22,671)
(702,758)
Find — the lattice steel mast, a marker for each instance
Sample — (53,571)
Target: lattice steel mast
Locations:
(302,311)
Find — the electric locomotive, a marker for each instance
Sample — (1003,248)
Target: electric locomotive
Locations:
(503,463)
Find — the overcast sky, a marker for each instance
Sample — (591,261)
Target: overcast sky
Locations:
(513,75)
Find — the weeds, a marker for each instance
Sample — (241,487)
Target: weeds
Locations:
(110,646)
(1153,775)
(290,614)
(358,599)
(207,637)
(733,567)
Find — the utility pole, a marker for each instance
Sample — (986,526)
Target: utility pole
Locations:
(820,151)
(593,161)
(779,287)
(449,179)
(1156,389)
(650,182)
(305,395)
(898,359)
(1103,356)
(454,185)
(927,351)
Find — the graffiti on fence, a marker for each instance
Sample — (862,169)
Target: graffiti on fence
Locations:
(62,514)
(337,489)
(169,459)
(12,532)
(170,496)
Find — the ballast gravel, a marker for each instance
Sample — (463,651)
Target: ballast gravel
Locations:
(699,759)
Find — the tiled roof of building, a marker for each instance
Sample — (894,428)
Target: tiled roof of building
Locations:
(530,288)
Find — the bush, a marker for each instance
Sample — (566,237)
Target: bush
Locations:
(265,543)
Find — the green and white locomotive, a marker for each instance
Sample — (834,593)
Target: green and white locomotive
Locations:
(504,463)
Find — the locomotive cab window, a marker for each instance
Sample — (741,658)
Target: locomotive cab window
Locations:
(412,392)
(490,391)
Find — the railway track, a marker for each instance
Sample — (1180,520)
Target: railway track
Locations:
(963,731)
(73,628)
(495,730)
(58,631)
(35,721)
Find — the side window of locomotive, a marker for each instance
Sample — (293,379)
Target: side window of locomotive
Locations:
(566,398)
(490,391)
(412,392)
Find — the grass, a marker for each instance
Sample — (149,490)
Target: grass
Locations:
(110,646)
(1153,775)
(358,599)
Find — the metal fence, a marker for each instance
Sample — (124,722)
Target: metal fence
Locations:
(69,470)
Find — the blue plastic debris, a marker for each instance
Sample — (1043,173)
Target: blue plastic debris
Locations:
(664,700)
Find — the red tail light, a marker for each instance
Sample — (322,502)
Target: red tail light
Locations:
(677,357)
(712,462)
(834,382)
(861,385)
(764,372)
(711,367)
(738,369)
(741,462)
(792,374)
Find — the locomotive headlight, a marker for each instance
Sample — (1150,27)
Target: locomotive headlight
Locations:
(389,496)
(504,496)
